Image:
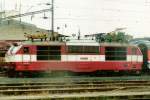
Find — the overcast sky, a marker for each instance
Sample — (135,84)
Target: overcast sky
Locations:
(90,16)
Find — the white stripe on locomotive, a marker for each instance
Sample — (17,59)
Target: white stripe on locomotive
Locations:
(33,58)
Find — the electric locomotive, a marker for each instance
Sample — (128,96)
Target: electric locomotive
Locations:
(73,55)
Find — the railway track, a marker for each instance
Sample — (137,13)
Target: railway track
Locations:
(135,89)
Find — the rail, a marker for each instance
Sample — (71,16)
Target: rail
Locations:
(97,89)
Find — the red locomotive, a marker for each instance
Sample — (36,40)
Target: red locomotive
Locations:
(75,56)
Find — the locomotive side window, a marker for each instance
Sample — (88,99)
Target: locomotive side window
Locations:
(26,50)
(116,53)
(48,52)
(83,49)
(75,49)
(91,49)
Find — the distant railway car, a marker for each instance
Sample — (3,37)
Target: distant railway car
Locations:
(74,56)
(144,46)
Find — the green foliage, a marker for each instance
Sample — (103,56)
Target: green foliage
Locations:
(108,38)
(120,37)
(116,37)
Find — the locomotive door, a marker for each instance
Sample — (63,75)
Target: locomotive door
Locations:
(134,57)
(26,57)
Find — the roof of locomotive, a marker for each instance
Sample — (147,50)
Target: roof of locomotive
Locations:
(81,42)
(43,43)
(77,43)
(113,44)
(93,42)
(142,42)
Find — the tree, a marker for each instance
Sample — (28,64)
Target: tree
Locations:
(116,37)
(108,37)
(121,37)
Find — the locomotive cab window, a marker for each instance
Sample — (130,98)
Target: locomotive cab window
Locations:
(26,50)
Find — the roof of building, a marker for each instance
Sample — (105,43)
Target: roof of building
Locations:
(14,30)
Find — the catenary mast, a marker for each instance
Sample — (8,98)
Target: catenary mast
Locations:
(52,20)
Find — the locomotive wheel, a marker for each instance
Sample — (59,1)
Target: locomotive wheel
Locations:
(11,73)
(137,72)
(61,73)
